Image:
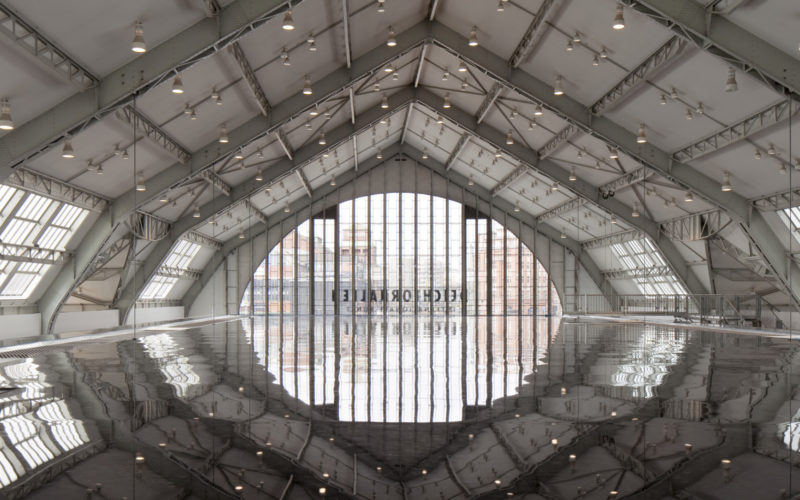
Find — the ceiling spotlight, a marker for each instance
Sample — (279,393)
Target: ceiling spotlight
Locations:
(439,120)
(726,182)
(384,103)
(125,154)
(595,61)
(619,19)
(260,155)
(635,212)
(782,170)
(570,47)
(140,186)
(6,123)
(333,181)
(473,37)
(699,110)
(641,138)
(381,7)
(580,153)
(322,140)
(462,68)
(532,124)
(689,114)
(164,198)
(445,74)
(554,187)
(288,21)
(689,197)
(138,45)
(500,6)
(391,41)
(223,134)
(395,76)
(730,84)
(563,235)
(572,176)
(379,155)
(241,235)
(663,100)
(603,53)
(307,85)
(446,104)
(67,151)
(758,154)
(771,150)
(498,153)
(516,206)
(259,176)
(314,111)
(557,88)
(117,151)
(286,208)
(239,155)
(285,57)
(614,154)
(470,181)
(509,138)
(538,111)
(673,93)
(177,85)
(312,43)
(613,219)
(576,38)
(216,97)
(425,154)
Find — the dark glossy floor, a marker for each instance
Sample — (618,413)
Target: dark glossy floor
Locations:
(405,408)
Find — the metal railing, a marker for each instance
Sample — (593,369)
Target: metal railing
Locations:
(735,310)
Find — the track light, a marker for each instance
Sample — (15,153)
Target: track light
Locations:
(462,68)
(619,18)
(689,197)
(771,150)
(699,109)
(445,74)
(614,154)
(603,52)
(379,155)
(563,234)
(635,212)
(312,43)
(67,151)
(570,47)
(286,208)
(532,124)
(538,111)
(177,85)
(307,85)
(395,76)
(285,57)
(572,176)
(500,6)
(239,155)
(730,84)
(314,111)
(6,123)
(498,153)
(439,120)
(384,103)
(391,41)
(689,114)
(223,134)
(726,183)
(196,213)
(446,104)
(641,138)
(673,94)
(516,206)
(554,187)
(470,181)
(260,155)
(193,114)
(557,88)
(783,170)
(663,100)
(473,37)
(322,140)
(140,186)
(259,176)
(595,61)
(758,154)
(164,198)
(125,154)
(241,235)
(288,21)
(138,45)
(509,139)
(613,219)
(425,154)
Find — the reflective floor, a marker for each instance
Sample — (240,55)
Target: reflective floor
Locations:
(405,408)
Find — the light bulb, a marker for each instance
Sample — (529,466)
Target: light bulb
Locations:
(6,122)
(730,84)
(288,21)
(177,85)
(67,151)
(138,45)
(307,85)
(619,19)
(473,37)
(557,88)
(223,134)
(391,41)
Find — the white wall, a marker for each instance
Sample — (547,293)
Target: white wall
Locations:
(211,301)
(80,321)
(14,326)
(154,314)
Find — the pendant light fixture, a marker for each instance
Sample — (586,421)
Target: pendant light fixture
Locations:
(509,138)
(177,85)
(307,85)
(384,102)
(572,176)
(726,186)
(259,176)
(6,122)
(223,134)
(554,187)
(67,151)
(322,141)
(446,103)
(312,42)
(379,155)
(558,88)
(641,138)
(381,6)
(689,197)
(140,185)
(730,84)
(516,206)
(196,213)
(619,18)
(391,41)
(613,219)
(462,68)
(425,154)
(473,37)
(614,154)
(538,110)
(138,45)
(635,212)
(288,20)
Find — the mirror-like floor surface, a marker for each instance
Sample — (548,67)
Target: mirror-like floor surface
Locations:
(404,408)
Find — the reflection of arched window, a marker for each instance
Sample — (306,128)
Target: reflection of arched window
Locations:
(401,252)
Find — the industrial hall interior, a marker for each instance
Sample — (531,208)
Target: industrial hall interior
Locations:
(399,249)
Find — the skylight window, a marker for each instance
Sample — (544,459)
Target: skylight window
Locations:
(33,226)
(180,258)
(642,255)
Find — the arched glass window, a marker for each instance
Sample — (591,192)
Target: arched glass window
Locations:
(401,253)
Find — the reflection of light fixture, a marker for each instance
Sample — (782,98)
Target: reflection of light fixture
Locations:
(619,19)
(138,45)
